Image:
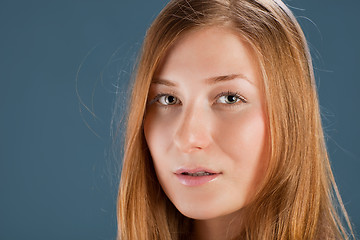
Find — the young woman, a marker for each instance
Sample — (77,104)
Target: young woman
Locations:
(224,136)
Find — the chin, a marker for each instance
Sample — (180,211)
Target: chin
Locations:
(202,210)
(199,214)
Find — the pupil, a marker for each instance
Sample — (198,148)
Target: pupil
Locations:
(170,99)
(231,99)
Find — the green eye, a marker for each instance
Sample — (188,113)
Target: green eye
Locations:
(168,100)
(229,99)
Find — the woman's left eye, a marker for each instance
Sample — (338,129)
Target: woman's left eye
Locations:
(230,98)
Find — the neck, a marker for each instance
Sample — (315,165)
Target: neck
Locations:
(224,227)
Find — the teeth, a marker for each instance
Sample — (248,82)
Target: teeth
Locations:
(198,174)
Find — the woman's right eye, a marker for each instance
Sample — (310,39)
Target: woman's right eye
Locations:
(168,100)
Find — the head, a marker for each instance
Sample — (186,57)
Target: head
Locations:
(206,113)
(276,125)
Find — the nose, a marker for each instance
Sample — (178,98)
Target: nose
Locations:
(193,132)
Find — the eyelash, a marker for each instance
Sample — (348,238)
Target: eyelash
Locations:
(158,96)
(226,93)
(229,93)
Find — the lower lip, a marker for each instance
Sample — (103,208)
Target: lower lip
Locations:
(195,181)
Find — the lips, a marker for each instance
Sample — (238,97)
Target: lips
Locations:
(188,171)
(196,176)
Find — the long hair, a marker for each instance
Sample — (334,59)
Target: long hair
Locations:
(298,198)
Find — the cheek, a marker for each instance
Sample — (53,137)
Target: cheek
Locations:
(245,132)
(158,134)
(158,129)
(244,140)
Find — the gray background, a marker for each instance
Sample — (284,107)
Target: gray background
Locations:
(58,178)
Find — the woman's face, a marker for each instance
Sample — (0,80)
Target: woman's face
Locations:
(205,124)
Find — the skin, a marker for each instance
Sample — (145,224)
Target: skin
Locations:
(192,125)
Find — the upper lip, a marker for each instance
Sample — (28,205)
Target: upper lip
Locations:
(195,170)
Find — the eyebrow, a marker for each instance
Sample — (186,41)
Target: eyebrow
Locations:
(210,81)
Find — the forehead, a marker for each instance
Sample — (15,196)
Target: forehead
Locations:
(207,52)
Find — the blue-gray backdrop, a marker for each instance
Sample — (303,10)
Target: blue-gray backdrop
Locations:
(58,178)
